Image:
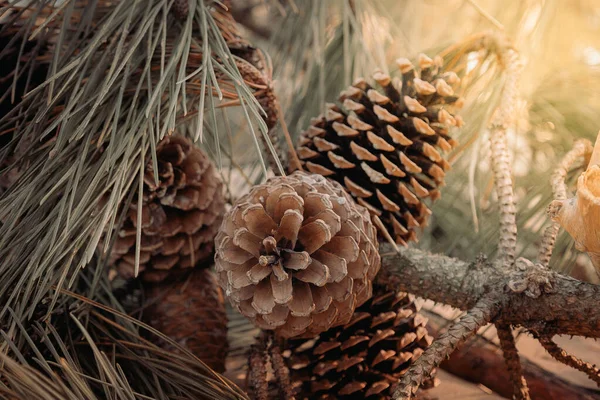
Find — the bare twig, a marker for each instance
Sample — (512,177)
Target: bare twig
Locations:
(464,328)
(581,149)
(513,364)
(562,356)
(502,119)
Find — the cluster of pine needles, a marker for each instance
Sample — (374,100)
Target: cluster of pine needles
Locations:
(93,87)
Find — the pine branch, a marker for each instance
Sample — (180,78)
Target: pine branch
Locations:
(479,361)
(513,364)
(562,356)
(528,295)
(535,297)
(503,118)
(482,313)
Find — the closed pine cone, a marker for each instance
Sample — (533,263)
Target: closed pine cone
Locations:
(382,145)
(192,313)
(363,359)
(297,255)
(180,215)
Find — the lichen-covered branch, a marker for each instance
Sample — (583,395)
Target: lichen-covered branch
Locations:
(562,356)
(443,346)
(570,307)
(513,364)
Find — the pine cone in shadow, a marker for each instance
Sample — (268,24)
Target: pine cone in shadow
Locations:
(180,214)
(365,358)
(192,313)
(297,255)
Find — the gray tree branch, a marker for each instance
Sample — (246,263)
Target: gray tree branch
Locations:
(536,298)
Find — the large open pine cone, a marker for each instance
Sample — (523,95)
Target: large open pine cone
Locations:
(297,255)
(381,144)
(192,313)
(180,215)
(365,358)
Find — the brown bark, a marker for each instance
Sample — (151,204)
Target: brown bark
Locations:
(480,361)
(536,298)
(513,362)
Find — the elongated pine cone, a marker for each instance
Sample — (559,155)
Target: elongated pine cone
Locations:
(381,144)
(192,313)
(180,215)
(365,358)
(297,255)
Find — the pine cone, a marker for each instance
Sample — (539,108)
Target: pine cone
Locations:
(192,313)
(180,215)
(297,255)
(381,145)
(365,358)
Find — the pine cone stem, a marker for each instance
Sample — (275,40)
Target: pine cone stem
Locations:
(562,356)
(445,344)
(282,373)
(513,364)
(503,118)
